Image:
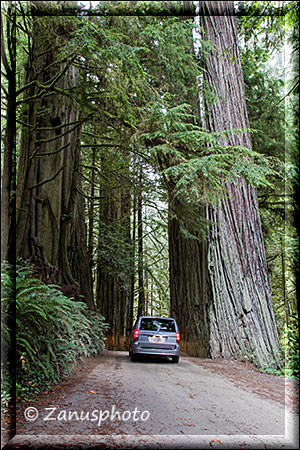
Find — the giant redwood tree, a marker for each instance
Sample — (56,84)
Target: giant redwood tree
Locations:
(135,83)
(48,203)
(220,290)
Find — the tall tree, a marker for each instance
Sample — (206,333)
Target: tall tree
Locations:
(114,263)
(141,288)
(269,95)
(8,182)
(224,279)
(48,172)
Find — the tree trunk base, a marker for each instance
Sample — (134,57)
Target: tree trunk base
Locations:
(117,343)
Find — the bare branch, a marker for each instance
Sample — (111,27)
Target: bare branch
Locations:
(48,179)
(90,197)
(3,53)
(4,75)
(59,135)
(289,92)
(40,155)
(4,90)
(43,86)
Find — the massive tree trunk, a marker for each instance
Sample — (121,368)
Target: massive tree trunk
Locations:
(190,287)
(91,211)
(8,179)
(48,172)
(223,280)
(78,253)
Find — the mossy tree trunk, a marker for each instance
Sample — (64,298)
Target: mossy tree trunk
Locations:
(48,173)
(222,280)
(8,178)
(78,253)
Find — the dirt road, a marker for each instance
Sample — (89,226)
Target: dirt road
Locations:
(209,404)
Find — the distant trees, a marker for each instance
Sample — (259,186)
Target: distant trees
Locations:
(114,263)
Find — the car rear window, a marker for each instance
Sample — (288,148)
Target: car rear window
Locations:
(158,325)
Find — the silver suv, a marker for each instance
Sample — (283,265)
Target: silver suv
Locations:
(156,336)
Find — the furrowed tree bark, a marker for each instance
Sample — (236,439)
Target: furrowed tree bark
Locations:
(48,175)
(224,279)
(190,284)
(8,210)
(92,211)
(78,253)
(8,184)
(284,290)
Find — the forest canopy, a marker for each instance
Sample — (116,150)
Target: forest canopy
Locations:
(149,167)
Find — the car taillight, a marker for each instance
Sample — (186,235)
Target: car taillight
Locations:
(136,334)
(178,337)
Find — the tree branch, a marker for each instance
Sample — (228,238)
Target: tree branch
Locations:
(59,135)
(48,179)
(5,91)
(40,155)
(3,53)
(290,91)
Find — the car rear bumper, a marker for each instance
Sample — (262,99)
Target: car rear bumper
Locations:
(139,350)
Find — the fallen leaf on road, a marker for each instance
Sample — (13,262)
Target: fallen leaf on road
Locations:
(215,440)
(93,392)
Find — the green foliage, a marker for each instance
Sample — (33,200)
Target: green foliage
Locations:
(138,95)
(263,25)
(202,166)
(114,252)
(264,93)
(52,331)
(270,109)
(156,256)
(6,386)
(290,349)
(290,340)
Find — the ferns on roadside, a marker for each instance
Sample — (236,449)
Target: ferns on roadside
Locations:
(52,331)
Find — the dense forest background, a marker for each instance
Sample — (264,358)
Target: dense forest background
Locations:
(114,167)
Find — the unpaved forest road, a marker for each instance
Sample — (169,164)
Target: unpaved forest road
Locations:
(222,401)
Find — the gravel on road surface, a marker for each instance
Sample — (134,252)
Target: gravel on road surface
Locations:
(154,403)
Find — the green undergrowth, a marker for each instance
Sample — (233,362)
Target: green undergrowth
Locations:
(52,333)
(290,348)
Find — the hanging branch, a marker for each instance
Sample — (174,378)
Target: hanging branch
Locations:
(40,155)
(39,141)
(48,179)
(51,83)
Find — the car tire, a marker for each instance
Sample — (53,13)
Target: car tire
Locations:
(175,359)
(133,357)
(129,353)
